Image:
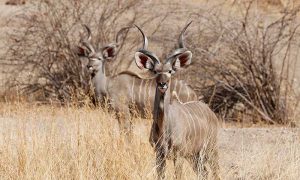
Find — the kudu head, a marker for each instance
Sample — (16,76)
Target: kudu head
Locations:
(97,58)
(179,58)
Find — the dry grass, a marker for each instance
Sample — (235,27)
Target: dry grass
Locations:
(69,142)
(53,142)
(66,143)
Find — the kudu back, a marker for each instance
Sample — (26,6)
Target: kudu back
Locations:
(124,90)
(179,129)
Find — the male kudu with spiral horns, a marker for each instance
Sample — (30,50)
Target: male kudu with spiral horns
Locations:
(179,129)
(124,89)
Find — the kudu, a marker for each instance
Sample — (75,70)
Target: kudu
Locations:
(97,61)
(179,129)
(125,89)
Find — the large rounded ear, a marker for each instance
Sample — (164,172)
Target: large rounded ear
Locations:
(80,51)
(109,51)
(182,60)
(143,61)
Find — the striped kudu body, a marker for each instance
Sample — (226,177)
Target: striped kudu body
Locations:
(128,89)
(125,89)
(179,129)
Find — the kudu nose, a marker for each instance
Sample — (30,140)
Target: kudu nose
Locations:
(162,84)
(89,67)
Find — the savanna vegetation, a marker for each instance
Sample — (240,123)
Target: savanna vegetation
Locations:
(244,66)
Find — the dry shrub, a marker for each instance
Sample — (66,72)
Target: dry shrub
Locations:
(42,47)
(236,58)
(247,61)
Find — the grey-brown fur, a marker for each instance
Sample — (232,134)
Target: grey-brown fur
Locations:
(126,89)
(187,130)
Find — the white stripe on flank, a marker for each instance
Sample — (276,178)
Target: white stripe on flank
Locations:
(175,85)
(192,119)
(203,112)
(186,119)
(153,87)
(190,102)
(132,91)
(149,90)
(197,115)
(140,91)
(145,92)
(179,91)
(188,91)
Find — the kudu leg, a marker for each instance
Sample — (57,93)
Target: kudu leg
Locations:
(198,162)
(99,101)
(207,158)
(124,118)
(160,162)
(124,121)
(178,163)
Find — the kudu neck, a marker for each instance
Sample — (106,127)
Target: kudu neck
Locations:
(100,81)
(103,68)
(161,106)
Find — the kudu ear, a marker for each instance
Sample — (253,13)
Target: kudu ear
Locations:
(109,51)
(80,51)
(143,61)
(182,60)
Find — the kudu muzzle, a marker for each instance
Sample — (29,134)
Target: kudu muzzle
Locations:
(163,82)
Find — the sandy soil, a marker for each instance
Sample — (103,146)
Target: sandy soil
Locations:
(260,150)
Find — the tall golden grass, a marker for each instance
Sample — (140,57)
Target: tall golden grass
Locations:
(41,142)
(54,142)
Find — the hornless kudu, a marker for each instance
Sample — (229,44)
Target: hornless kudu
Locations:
(181,129)
(126,88)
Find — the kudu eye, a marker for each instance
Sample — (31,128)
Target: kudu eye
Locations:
(170,71)
(98,59)
(155,72)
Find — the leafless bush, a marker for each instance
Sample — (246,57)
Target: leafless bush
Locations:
(42,47)
(240,59)
(247,59)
